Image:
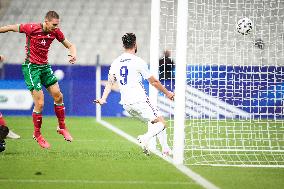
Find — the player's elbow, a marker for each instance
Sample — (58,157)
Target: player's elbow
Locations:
(71,46)
(153,81)
(68,45)
(8,28)
(108,86)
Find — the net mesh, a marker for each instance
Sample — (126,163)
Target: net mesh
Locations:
(235,90)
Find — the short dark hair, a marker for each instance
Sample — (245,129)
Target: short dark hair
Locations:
(51,14)
(129,40)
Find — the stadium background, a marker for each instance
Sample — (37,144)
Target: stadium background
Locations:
(96,28)
(216,67)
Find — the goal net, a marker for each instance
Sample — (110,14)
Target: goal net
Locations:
(234,83)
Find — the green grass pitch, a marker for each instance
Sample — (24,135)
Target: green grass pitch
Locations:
(98,158)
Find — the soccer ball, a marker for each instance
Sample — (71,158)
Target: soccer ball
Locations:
(244,26)
(59,74)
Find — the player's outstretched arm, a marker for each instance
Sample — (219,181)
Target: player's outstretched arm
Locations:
(107,90)
(13,28)
(157,84)
(72,51)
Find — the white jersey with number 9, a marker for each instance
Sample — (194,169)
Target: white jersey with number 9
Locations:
(128,71)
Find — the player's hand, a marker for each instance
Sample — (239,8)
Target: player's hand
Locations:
(72,59)
(171,96)
(2,58)
(100,101)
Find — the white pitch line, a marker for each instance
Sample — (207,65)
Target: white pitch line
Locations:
(95,181)
(191,174)
(62,140)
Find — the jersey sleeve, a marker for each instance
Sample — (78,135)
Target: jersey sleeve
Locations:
(59,35)
(144,70)
(26,28)
(111,74)
(111,71)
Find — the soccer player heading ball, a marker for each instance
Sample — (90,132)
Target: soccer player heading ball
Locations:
(37,71)
(127,70)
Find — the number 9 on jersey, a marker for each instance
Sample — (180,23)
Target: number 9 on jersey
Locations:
(123,74)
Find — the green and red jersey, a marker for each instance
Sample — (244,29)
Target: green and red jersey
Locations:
(38,42)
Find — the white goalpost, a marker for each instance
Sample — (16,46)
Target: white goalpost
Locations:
(229,87)
(179,108)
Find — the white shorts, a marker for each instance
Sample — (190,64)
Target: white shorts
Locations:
(144,111)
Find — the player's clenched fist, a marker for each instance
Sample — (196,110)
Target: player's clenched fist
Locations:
(2,58)
(72,59)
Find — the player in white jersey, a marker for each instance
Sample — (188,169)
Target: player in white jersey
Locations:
(127,71)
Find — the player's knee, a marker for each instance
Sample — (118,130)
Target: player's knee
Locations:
(159,121)
(58,97)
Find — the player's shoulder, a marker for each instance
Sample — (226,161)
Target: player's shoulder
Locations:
(135,58)
(29,27)
(116,60)
(115,63)
(32,25)
(121,58)
(125,57)
(139,60)
(36,25)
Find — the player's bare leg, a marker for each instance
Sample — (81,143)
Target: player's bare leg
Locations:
(59,110)
(38,98)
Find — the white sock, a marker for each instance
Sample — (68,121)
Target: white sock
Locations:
(163,139)
(153,131)
(152,144)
